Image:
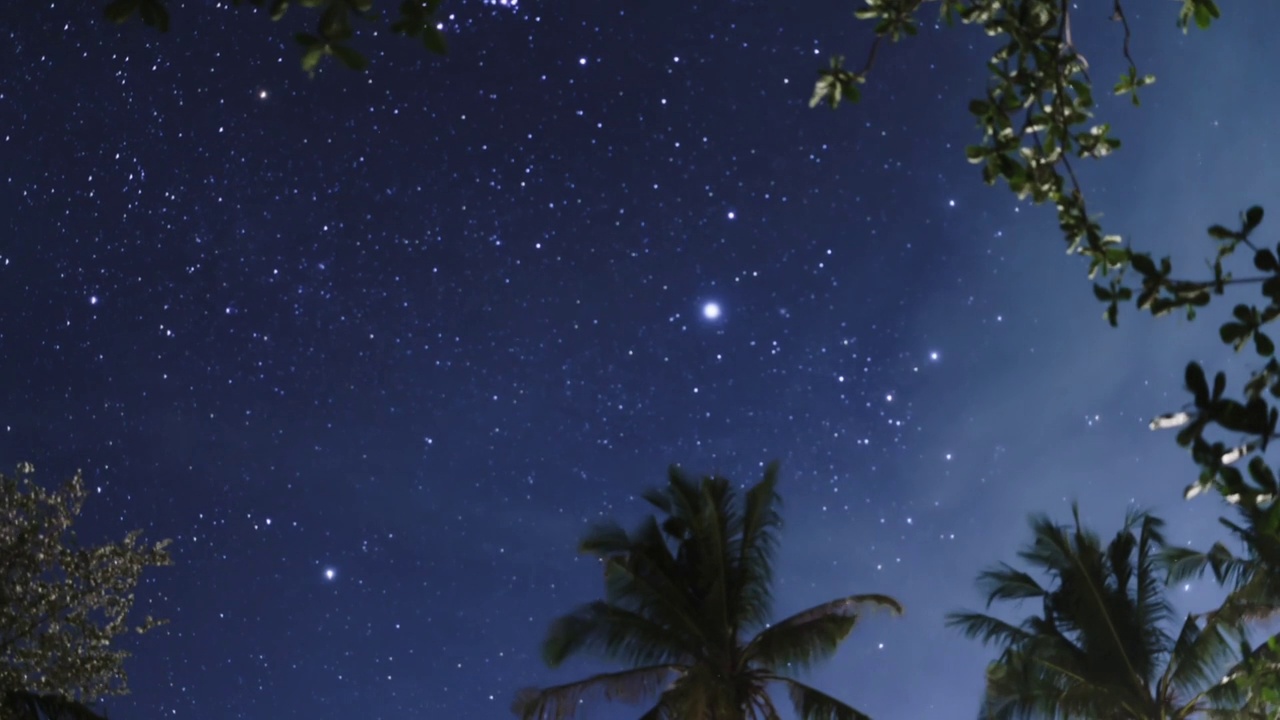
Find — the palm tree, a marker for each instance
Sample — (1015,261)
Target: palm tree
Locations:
(1099,649)
(1253,582)
(686,608)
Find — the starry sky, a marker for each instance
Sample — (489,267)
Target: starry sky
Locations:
(376,349)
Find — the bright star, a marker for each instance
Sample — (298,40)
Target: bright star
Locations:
(711,310)
(330,573)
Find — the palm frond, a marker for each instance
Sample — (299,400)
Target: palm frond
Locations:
(605,540)
(658,712)
(714,532)
(649,583)
(615,633)
(987,629)
(1035,684)
(764,704)
(1003,582)
(1101,642)
(814,634)
(848,605)
(812,704)
(561,702)
(760,524)
(1146,634)
(1200,656)
(1182,564)
(799,646)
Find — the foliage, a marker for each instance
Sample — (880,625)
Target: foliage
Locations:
(20,705)
(334,28)
(687,604)
(61,605)
(1101,646)
(1036,119)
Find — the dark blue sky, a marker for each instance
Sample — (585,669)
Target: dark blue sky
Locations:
(375,350)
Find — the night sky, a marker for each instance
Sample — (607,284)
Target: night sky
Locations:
(376,349)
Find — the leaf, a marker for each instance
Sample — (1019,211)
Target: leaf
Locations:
(1264,259)
(1170,420)
(1252,218)
(311,58)
(434,40)
(1197,384)
(120,10)
(1219,232)
(278,8)
(155,14)
(1206,12)
(1143,264)
(350,57)
(1265,347)
(1261,474)
(335,23)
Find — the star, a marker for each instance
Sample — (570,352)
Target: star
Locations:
(711,311)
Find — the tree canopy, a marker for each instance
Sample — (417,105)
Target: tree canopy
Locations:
(336,24)
(1036,121)
(62,605)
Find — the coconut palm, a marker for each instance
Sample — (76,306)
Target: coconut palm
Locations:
(686,609)
(1252,579)
(1100,647)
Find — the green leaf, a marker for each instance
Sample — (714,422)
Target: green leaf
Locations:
(278,8)
(311,58)
(1262,474)
(1264,260)
(1265,347)
(1252,218)
(335,23)
(155,14)
(434,40)
(1103,294)
(350,57)
(1143,264)
(1219,232)
(1231,332)
(120,10)
(1197,384)
(1203,11)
